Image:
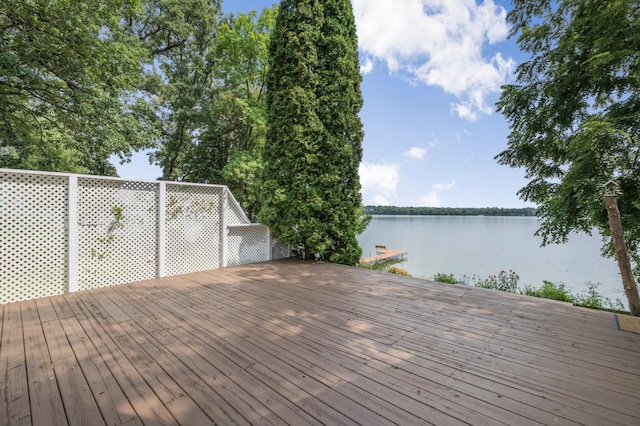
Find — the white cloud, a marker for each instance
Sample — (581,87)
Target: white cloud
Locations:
(367,67)
(430,200)
(416,153)
(433,199)
(379,181)
(441,187)
(438,43)
(380,200)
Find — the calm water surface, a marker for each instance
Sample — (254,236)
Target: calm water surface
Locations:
(484,245)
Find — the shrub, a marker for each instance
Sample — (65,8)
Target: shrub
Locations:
(398,271)
(549,290)
(447,278)
(503,281)
(373,266)
(528,290)
(590,298)
(379,266)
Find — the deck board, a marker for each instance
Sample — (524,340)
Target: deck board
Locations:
(14,388)
(294,342)
(79,401)
(46,401)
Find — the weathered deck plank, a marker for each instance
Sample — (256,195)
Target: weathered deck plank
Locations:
(45,401)
(139,395)
(294,342)
(14,388)
(79,401)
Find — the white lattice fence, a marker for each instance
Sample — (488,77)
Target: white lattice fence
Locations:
(279,250)
(34,244)
(63,233)
(117,232)
(248,244)
(193,222)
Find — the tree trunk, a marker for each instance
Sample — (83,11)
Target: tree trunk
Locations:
(622,255)
(308,254)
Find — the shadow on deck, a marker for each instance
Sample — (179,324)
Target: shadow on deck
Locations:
(294,342)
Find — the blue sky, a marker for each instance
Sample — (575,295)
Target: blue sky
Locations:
(432,71)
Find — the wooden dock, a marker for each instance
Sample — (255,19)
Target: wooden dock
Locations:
(303,343)
(383,254)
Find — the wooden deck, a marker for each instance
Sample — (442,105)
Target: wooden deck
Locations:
(293,342)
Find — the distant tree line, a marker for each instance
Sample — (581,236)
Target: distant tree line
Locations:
(449,211)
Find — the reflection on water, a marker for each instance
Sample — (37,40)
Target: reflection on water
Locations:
(485,245)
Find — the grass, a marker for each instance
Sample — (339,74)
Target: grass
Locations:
(590,298)
(447,279)
(386,267)
(549,290)
(398,271)
(504,281)
(508,282)
(380,266)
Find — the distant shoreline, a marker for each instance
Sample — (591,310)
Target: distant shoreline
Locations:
(449,211)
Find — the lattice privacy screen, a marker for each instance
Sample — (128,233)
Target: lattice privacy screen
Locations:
(194,223)
(61,232)
(248,244)
(279,250)
(117,232)
(33,243)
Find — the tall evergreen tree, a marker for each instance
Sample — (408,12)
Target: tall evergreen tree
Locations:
(310,186)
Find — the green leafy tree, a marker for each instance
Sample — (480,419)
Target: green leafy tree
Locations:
(310,187)
(244,43)
(68,73)
(179,36)
(213,108)
(575,114)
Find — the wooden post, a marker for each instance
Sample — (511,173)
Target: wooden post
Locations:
(622,254)
(161,245)
(224,233)
(72,235)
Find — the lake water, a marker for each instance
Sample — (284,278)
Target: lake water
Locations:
(486,245)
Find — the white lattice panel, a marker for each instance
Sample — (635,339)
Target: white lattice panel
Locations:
(193,228)
(279,250)
(33,246)
(114,236)
(235,214)
(248,244)
(117,232)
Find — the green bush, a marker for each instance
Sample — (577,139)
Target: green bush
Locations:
(447,278)
(504,281)
(373,266)
(549,290)
(528,290)
(379,266)
(508,281)
(590,298)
